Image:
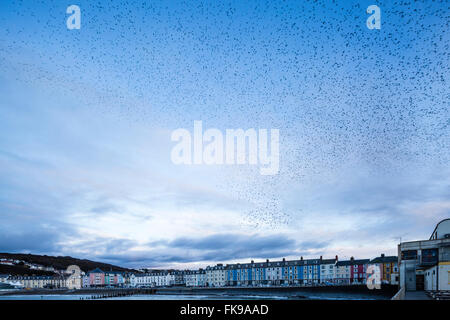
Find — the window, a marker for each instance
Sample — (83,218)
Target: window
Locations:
(409,255)
(429,255)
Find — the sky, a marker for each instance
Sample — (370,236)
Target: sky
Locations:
(86,118)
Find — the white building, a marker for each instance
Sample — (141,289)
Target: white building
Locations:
(273,273)
(342,273)
(215,276)
(174,278)
(425,265)
(143,280)
(39,281)
(157,279)
(195,278)
(178,278)
(328,270)
(85,281)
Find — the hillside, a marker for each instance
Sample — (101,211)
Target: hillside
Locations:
(60,263)
(23,270)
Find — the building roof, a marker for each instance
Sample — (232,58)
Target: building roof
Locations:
(384,259)
(352,262)
(282,263)
(328,261)
(96,270)
(36,278)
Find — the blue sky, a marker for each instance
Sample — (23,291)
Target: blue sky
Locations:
(86,117)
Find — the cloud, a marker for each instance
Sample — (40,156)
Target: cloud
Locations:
(232,241)
(106,208)
(214,248)
(97,246)
(36,241)
(29,234)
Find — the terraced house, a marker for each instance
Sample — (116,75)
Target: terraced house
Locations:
(114,279)
(388,266)
(351,271)
(196,278)
(293,272)
(100,278)
(327,270)
(33,282)
(215,276)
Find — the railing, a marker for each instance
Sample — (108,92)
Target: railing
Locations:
(400,295)
(439,295)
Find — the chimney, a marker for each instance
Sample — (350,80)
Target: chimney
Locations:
(351,258)
(252,262)
(320,258)
(284,259)
(267,260)
(337,258)
(301,258)
(382,255)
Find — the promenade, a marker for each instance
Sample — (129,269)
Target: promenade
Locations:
(416,295)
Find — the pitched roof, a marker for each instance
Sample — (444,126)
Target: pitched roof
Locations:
(384,259)
(352,262)
(282,263)
(328,261)
(96,270)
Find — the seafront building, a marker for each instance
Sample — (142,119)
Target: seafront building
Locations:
(351,271)
(307,272)
(85,281)
(300,272)
(39,282)
(327,270)
(388,266)
(100,278)
(195,278)
(296,272)
(157,279)
(425,264)
(175,278)
(140,281)
(215,276)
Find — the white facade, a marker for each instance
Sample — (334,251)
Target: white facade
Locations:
(157,279)
(215,276)
(342,274)
(438,277)
(273,274)
(327,272)
(85,281)
(195,278)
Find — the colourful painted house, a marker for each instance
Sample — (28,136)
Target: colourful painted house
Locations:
(96,278)
(388,268)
